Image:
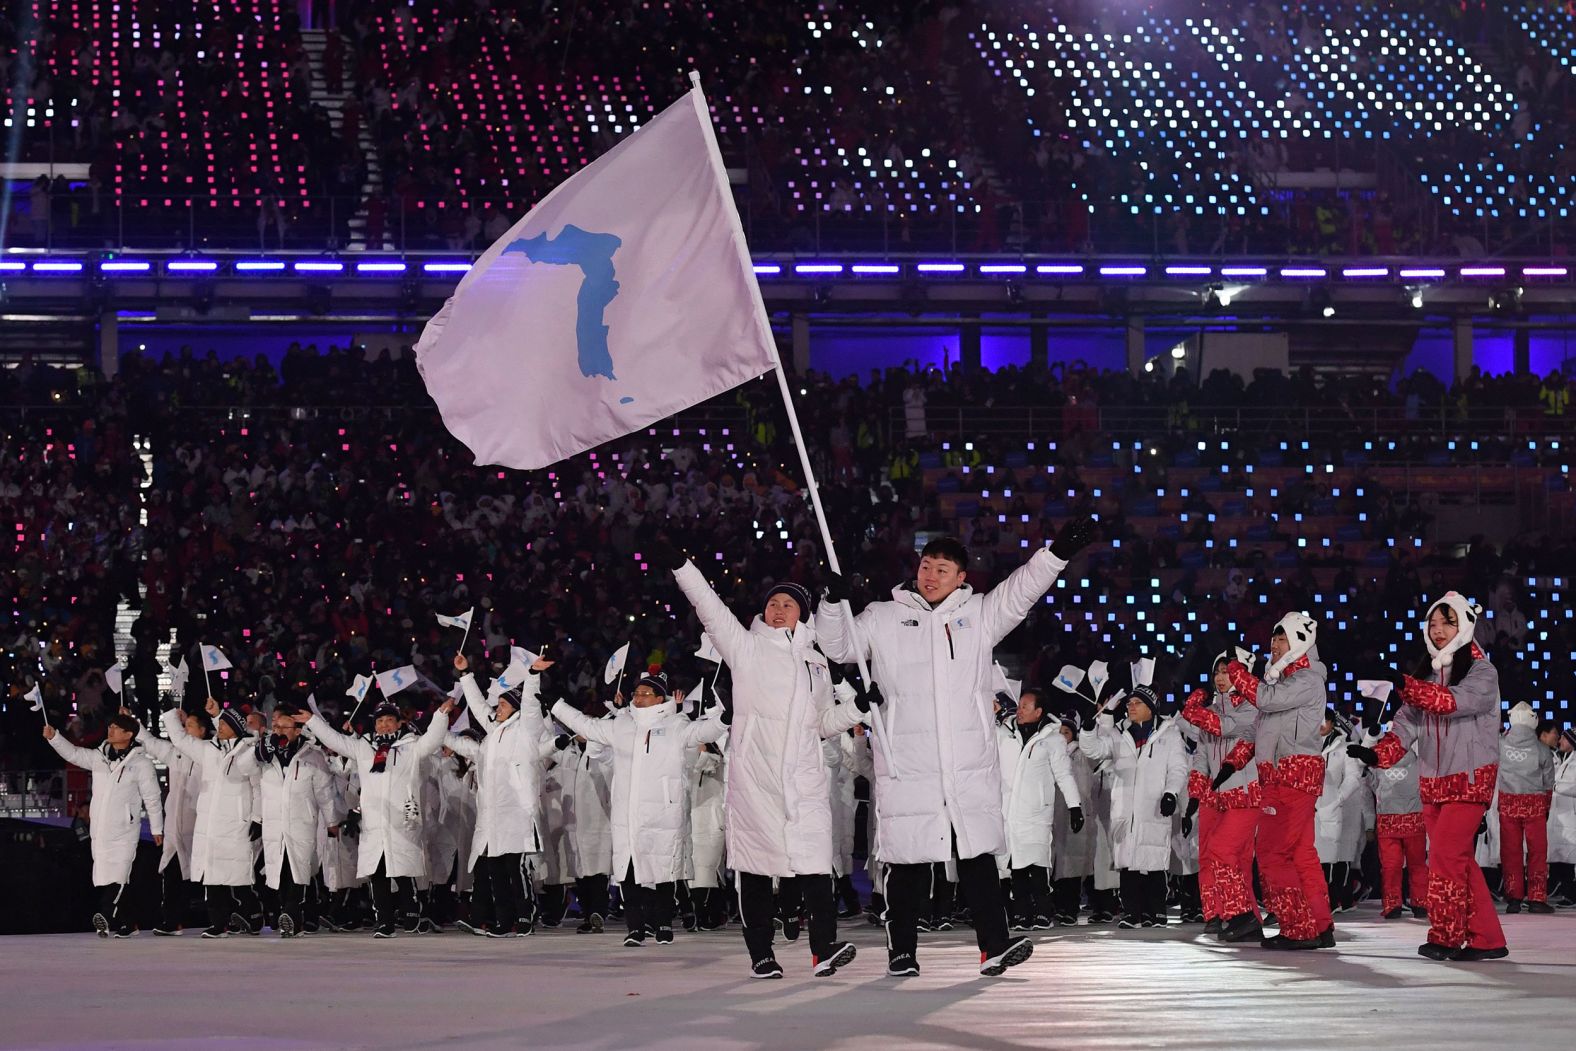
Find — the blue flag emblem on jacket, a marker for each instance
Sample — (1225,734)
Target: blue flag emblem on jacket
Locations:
(593,254)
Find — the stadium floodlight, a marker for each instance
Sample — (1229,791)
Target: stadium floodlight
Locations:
(1002,268)
(1243,271)
(125,266)
(388,266)
(1303,271)
(11,265)
(1059,268)
(1123,271)
(1189,271)
(1482,271)
(1366,271)
(249,266)
(191,266)
(877,268)
(319,266)
(818,268)
(57,266)
(1423,272)
(1179,351)
(940,268)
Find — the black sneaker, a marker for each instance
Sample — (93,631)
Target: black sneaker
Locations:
(497,931)
(167,932)
(634,939)
(1420,912)
(1012,956)
(1241,928)
(101,924)
(1471,955)
(664,935)
(1100,919)
(1281,942)
(922,925)
(1542,908)
(1436,952)
(1392,914)
(1512,906)
(848,912)
(426,926)
(385,931)
(943,924)
(1041,923)
(767,968)
(469,928)
(245,924)
(791,928)
(688,921)
(591,925)
(902,965)
(127,931)
(216,932)
(1067,919)
(842,955)
(287,925)
(1128,923)
(1212,926)
(1022,923)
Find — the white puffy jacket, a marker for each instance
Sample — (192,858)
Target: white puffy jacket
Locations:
(337,854)
(509,762)
(295,800)
(1032,773)
(180,802)
(1562,811)
(707,778)
(937,763)
(449,838)
(1343,778)
(585,790)
(652,748)
(1141,778)
(390,833)
(221,838)
(779,808)
(122,790)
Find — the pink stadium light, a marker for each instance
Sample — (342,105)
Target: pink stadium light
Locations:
(1482,271)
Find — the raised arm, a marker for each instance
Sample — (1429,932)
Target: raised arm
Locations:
(844,642)
(598,730)
(481,712)
(180,740)
(1290,694)
(1010,601)
(86,758)
(431,741)
(463,746)
(330,738)
(731,638)
(707,730)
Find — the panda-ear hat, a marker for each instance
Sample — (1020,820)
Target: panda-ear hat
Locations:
(1302,633)
(1467,615)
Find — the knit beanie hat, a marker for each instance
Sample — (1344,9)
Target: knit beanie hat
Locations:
(1523,715)
(656,680)
(235,719)
(798,592)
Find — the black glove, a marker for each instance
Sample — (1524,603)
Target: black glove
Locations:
(351,826)
(1187,818)
(1483,827)
(870,695)
(1226,772)
(725,701)
(664,556)
(837,589)
(1074,535)
(1168,804)
(1381,672)
(1075,818)
(562,741)
(1088,723)
(256,831)
(1367,756)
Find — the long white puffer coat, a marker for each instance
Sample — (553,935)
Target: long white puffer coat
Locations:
(779,808)
(937,762)
(390,832)
(707,789)
(122,790)
(652,750)
(509,763)
(1142,777)
(1032,773)
(450,840)
(1562,811)
(221,838)
(1343,778)
(295,800)
(337,854)
(180,802)
(586,790)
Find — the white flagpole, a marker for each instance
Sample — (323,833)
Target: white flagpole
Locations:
(202,657)
(467,633)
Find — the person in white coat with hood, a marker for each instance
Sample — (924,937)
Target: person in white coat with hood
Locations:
(779,803)
(1562,821)
(1344,777)
(297,794)
(509,764)
(124,786)
(226,812)
(586,775)
(390,853)
(180,817)
(1034,769)
(1149,763)
(938,766)
(652,746)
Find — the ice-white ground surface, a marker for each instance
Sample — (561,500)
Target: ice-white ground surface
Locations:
(1084,988)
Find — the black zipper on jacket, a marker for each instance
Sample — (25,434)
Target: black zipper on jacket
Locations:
(950,651)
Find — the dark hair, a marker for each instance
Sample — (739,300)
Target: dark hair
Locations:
(949,548)
(1545,726)
(1039,702)
(125,722)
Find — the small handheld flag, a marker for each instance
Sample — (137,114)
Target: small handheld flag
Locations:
(113,676)
(708,650)
(461,621)
(1099,675)
(396,679)
(615,665)
(213,659)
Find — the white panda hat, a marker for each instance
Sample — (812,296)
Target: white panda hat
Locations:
(1302,633)
(1467,615)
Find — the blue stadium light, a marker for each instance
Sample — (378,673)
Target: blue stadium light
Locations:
(197,266)
(1189,271)
(1482,271)
(460,268)
(1423,272)
(1059,268)
(818,268)
(940,268)
(1304,271)
(1544,271)
(248,266)
(125,266)
(383,267)
(877,268)
(319,266)
(57,266)
(1123,271)
(11,265)
(1002,268)
(1366,271)
(1243,271)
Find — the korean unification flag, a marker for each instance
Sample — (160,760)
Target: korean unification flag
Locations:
(626,295)
(708,650)
(1068,679)
(114,676)
(1001,684)
(463,621)
(36,696)
(179,674)
(213,660)
(396,679)
(520,661)
(615,665)
(358,689)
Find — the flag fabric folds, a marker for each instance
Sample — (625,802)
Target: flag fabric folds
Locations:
(396,679)
(626,295)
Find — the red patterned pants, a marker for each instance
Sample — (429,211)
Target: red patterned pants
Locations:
(1460,908)
(1413,849)
(1294,887)
(1225,861)
(1524,856)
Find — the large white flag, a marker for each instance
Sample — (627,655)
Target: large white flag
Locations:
(396,679)
(626,295)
